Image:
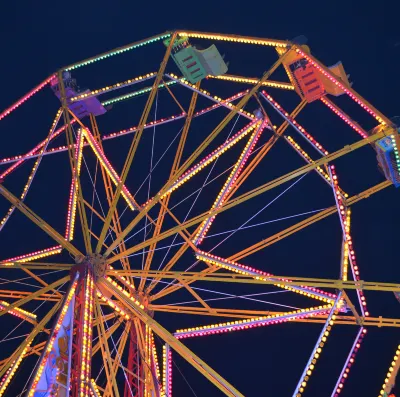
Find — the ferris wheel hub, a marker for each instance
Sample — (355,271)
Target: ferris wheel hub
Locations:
(96,262)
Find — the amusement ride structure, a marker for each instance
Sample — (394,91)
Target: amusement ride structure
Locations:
(98,333)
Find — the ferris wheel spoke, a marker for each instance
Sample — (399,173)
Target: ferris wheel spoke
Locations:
(41,281)
(264,151)
(109,332)
(11,294)
(174,97)
(251,194)
(348,249)
(116,363)
(317,349)
(195,154)
(134,145)
(197,296)
(75,193)
(175,166)
(38,221)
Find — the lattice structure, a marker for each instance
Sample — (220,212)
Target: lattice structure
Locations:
(106,339)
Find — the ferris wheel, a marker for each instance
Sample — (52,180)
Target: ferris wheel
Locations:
(160,220)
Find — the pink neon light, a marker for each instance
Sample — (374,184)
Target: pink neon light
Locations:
(252,269)
(26,97)
(33,152)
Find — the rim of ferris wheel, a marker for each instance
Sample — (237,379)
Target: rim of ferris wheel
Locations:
(81,108)
(313,81)
(387,153)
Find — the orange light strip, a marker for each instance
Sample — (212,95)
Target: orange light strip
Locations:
(155,357)
(94,392)
(247,80)
(109,169)
(73,195)
(227,187)
(19,159)
(32,256)
(50,343)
